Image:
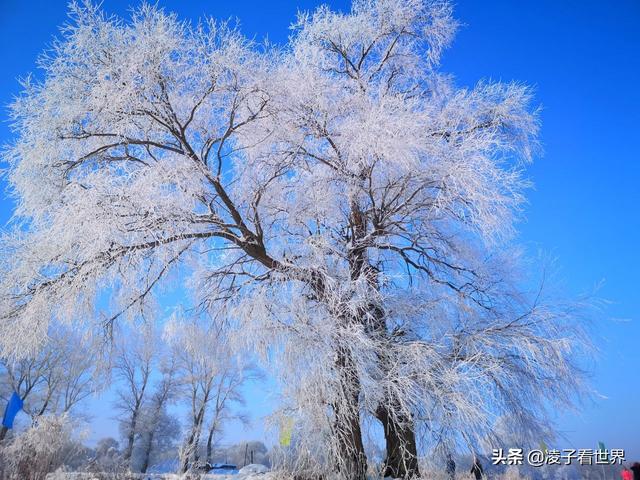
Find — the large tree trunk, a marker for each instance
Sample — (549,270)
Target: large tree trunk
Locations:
(399,430)
(402,457)
(450,467)
(146,456)
(191,446)
(187,455)
(210,443)
(131,437)
(352,458)
(402,451)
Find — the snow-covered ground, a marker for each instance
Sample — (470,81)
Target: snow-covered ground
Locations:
(156,476)
(250,472)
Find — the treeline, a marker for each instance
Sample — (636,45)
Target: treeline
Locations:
(177,386)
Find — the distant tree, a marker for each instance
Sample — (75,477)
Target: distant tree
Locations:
(73,372)
(240,453)
(133,366)
(62,374)
(160,443)
(159,429)
(227,398)
(107,447)
(210,377)
(194,347)
(107,456)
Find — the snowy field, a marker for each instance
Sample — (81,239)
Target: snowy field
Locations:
(155,476)
(250,472)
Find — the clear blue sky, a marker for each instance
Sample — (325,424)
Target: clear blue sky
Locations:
(583,57)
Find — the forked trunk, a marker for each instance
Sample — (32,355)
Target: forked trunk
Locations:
(402,451)
(189,453)
(399,431)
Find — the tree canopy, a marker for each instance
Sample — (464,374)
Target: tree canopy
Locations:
(338,201)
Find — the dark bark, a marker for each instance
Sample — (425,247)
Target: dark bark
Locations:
(352,458)
(131,436)
(451,467)
(401,459)
(476,470)
(184,464)
(210,444)
(146,456)
(193,441)
(44,408)
(3,432)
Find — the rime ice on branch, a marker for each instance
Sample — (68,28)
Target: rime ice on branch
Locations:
(339,201)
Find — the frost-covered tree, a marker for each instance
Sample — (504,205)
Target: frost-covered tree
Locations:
(159,440)
(210,377)
(106,457)
(158,428)
(23,377)
(60,376)
(145,369)
(193,347)
(227,398)
(134,363)
(340,202)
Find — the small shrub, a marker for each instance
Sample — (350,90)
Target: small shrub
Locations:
(40,450)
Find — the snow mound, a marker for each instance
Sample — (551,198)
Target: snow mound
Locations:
(253,469)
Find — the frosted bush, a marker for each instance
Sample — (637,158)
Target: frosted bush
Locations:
(41,449)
